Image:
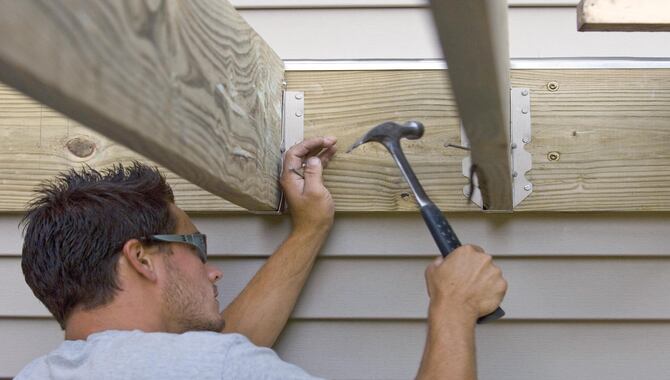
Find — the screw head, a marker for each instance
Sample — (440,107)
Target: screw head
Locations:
(553,156)
(513,145)
(524,92)
(524,110)
(527,187)
(298,114)
(298,96)
(552,86)
(525,140)
(515,174)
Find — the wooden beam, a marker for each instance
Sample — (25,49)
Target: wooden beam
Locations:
(187,84)
(623,15)
(610,128)
(474,38)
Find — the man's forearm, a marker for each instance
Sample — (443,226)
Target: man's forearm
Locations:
(261,311)
(450,347)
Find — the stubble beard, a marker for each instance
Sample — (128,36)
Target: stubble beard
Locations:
(185,308)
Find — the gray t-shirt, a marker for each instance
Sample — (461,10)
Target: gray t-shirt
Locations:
(140,355)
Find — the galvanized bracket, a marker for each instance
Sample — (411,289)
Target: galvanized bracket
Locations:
(292,130)
(522,162)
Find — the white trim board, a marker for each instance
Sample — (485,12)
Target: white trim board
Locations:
(272,4)
(516,64)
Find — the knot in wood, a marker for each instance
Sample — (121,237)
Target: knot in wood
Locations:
(81,147)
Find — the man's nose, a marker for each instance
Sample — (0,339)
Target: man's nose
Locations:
(213,273)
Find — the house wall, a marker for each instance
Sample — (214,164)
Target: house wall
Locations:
(588,292)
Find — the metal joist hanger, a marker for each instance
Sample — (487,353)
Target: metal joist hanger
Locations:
(522,162)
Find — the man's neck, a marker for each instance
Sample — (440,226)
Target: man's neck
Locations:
(83,323)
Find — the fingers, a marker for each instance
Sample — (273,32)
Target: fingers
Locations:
(295,158)
(326,155)
(467,278)
(476,248)
(430,269)
(300,152)
(313,175)
(430,272)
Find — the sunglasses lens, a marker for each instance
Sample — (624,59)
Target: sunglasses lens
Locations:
(201,242)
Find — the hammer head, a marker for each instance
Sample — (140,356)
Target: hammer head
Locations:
(390,133)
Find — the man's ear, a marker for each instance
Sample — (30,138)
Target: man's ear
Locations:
(139,259)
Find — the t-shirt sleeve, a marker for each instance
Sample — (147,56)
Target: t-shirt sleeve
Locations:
(244,360)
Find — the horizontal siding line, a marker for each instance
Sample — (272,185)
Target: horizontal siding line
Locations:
(505,320)
(36,317)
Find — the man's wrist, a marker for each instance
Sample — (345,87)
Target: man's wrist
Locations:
(322,227)
(453,314)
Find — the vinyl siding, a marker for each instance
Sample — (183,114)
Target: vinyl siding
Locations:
(577,282)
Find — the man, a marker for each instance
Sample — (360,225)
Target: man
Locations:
(124,271)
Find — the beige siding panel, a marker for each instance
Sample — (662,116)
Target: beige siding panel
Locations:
(506,351)
(10,235)
(25,339)
(547,234)
(371,288)
(391,349)
(15,295)
(397,33)
(538,289)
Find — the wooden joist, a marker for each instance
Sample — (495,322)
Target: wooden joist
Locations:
(187,84)
(474,38)
(623,15)
(610,129)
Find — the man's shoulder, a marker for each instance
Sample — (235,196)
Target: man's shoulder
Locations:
(119,349)
(189,341)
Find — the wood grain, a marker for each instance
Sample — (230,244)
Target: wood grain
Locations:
(610,127)
(623,15)
(188,84)
(475,43)
(35,145)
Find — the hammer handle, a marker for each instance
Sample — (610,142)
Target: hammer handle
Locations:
(447,241)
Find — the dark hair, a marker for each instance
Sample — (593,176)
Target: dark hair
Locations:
(77,225)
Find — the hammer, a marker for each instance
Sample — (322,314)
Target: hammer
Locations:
(389,135)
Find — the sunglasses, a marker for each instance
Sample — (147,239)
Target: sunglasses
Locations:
(199,241)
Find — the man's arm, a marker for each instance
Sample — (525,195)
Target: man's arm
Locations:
(463,287)
(261,311)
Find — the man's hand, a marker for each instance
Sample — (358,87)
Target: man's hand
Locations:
(466,281)
(309,202)
(463,287)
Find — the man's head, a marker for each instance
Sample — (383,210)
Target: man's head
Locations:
(83,224)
